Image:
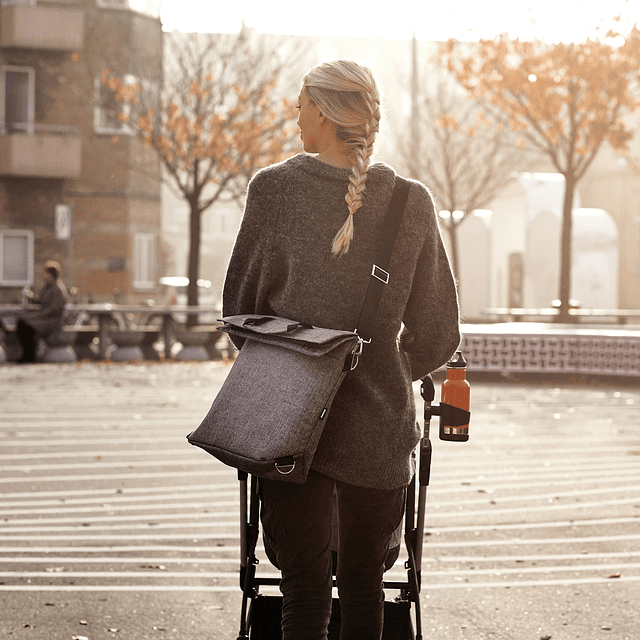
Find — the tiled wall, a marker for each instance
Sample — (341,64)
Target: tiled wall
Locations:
(584,353)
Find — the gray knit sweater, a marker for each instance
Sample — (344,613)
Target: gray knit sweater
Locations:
(282,265)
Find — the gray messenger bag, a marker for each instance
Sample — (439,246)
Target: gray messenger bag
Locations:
(268,416)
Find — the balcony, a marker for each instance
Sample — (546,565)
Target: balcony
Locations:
(41,27)
(51,152)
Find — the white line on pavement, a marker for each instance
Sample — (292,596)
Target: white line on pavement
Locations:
(550,475)
(131,494)
(123,549)
(191,472)
(125,493)
(22,532)
(271,573)
(198,508)
(119,502)
(431,587)
(53,559)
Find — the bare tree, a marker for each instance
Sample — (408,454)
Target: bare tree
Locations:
(217,118)
(463,156)
(566,100)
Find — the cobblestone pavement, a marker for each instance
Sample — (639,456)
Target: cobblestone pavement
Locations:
(112,526)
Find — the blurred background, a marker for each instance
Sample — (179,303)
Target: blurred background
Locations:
(130,128)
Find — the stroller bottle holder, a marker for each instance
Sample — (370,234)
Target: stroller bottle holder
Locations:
(453,409)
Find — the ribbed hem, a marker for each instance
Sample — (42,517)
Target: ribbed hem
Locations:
(393,474)
(315,167)
(311,164)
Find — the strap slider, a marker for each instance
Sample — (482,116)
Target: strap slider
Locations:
(380,274)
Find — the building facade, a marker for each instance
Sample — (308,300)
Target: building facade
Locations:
(75,185)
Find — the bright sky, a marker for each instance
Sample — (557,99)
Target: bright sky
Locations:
(463,19)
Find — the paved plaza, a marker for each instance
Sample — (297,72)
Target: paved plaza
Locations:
(112,526)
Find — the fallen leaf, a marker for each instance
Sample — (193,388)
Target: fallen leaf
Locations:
(615,575)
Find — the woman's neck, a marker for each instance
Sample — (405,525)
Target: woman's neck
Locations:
(336,155)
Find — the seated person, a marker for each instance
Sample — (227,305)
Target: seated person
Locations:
(46,320)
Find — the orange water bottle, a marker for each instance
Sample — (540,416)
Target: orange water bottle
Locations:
(455,393)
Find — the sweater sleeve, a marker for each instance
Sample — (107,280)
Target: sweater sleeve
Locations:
(247,266)
(52,302)
(431,332)
(56,302)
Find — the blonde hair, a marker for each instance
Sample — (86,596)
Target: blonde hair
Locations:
(346,93)
(53,267)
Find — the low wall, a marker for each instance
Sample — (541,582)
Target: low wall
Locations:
(524,347)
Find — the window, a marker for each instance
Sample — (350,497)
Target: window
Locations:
(148,7)
(16,258)
(144,261)
(107,110)
(17,95)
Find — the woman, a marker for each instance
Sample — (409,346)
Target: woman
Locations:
(46,320)
(305,251)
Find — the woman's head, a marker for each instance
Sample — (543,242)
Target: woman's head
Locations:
(52,269)
(346,94)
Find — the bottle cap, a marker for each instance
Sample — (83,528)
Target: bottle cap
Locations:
(457,362)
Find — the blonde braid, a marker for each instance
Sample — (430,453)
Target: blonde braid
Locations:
(346,93)
(362,149)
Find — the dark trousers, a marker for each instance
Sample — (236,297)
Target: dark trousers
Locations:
(296,521)
(28,339)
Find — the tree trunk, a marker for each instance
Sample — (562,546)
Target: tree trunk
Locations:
(564,292)
(193,266)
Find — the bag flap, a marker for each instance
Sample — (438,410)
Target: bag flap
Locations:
(286,333)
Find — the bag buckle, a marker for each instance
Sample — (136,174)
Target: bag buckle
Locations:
(357,352)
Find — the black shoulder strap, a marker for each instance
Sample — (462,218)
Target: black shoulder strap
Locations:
(380,271)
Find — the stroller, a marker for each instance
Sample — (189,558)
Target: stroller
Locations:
(261,614)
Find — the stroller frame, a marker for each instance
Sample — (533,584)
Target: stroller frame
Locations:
(397,611)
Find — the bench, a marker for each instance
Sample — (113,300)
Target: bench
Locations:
(58,347)
(84,338)
(199,343)
(135,343)
(53,348)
